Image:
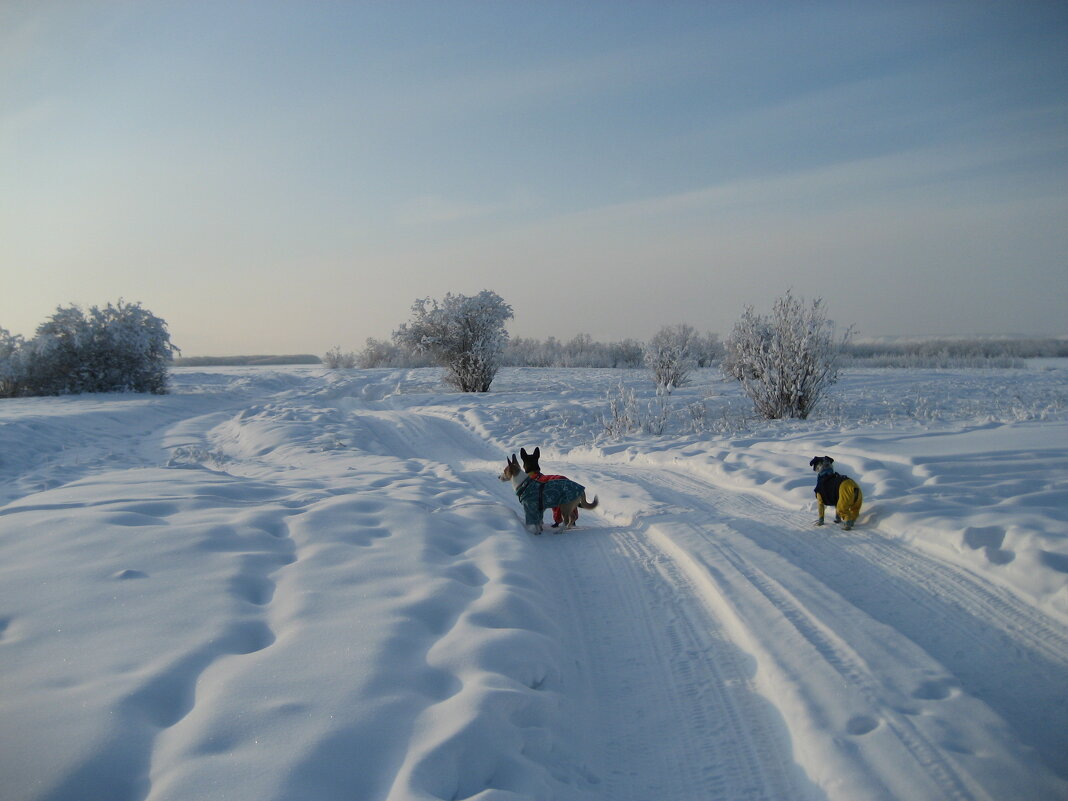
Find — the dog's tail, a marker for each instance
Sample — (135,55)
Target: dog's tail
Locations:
(584,504)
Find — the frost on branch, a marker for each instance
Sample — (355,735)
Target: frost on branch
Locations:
(121,348)
(672,354)
(785,361)
(465,335)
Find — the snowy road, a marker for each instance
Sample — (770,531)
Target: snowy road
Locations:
(312,586)
(885,647)
(871,649)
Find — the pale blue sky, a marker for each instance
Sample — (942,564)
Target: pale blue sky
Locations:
(286,176)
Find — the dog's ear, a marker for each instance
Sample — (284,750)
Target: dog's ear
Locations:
(523,453)
(537,452)
(828,460)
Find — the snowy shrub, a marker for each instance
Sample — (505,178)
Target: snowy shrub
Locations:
(622,416)
(112,349)
(672,354)
(334,359)
(784,361)
(660,412)
(626,416)
(465,335)
(698,413)
(377,353)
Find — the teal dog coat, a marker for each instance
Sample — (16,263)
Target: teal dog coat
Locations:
(537,496)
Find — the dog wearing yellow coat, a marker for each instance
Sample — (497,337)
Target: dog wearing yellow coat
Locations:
(833,489)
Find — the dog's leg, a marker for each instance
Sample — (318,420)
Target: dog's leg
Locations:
(569,513)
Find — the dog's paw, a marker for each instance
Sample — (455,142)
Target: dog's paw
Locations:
(534,529)
(818,523)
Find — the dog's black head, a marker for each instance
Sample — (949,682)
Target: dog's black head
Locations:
(821,463)
(530,460)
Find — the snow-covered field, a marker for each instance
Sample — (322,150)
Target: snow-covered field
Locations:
(296,585)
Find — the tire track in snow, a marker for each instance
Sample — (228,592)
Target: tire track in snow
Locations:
(670,697)
(977,630)
(949,584)
(929,602)
(856,674)
(669,712)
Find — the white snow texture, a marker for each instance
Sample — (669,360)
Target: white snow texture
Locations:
(293,583)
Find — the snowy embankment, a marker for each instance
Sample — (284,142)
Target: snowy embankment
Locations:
(289,583)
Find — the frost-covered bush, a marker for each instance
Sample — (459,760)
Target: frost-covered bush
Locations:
(377,353)
(784,361)
(672,354)
(622,416)
(121,348)
(625,415)
(465,335)
(335,359)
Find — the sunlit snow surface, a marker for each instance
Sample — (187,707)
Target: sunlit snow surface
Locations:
(290,583)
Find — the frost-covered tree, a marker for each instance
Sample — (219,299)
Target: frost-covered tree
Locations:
(672,354)
(111,349)
(55,358)
(785,361)
(465,335)
(708,349)
(628,353)
(12,369)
